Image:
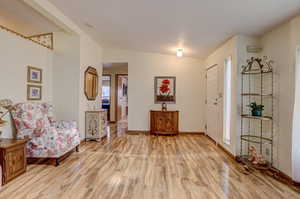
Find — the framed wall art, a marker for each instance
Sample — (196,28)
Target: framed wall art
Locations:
(165,90)
(34,75)
(34,92)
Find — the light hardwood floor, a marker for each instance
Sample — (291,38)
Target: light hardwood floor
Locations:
(146,167)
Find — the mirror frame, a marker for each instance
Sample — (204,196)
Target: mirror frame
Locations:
(92,71)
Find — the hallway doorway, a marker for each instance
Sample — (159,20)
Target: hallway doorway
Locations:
(118,73)
(106,94)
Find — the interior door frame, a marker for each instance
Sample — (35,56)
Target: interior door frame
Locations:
(206,100)
(116,93)
(110,86)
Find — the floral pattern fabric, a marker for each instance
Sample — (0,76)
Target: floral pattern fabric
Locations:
(47,138)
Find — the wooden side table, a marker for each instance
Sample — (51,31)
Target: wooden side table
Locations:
(12,158)
(164,122)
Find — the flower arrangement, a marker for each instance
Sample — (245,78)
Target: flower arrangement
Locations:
(256,109)
(6,104)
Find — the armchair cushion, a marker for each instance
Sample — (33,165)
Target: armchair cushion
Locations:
(31,116)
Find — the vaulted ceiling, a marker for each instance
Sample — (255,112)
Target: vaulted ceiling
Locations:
(18,16)
(199,26)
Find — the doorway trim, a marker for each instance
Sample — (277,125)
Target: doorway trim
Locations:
(116,94)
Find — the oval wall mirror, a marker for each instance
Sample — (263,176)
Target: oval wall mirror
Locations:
(91,83)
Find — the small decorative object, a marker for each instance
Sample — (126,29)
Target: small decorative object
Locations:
(43,39)
(34,92)
(165,90)
(91,83)
(267,64)
(164,106)
(256,158)
(258,65)
(34,75)
(256,110)
(6,104)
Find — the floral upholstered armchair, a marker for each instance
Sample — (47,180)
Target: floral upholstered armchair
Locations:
(47,138)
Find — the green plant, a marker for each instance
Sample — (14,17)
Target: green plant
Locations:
(255,107)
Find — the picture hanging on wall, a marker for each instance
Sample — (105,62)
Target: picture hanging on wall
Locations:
(34,92)
(34,75)
(165,90)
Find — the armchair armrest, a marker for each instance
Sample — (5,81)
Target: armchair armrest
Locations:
(65,124)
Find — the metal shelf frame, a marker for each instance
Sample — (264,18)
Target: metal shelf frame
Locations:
(246,136)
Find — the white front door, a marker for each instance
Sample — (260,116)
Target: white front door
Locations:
(212,110)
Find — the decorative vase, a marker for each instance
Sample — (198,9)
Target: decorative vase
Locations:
(164,106)
(257,113)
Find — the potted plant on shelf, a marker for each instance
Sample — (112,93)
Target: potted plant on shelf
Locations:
(256,109)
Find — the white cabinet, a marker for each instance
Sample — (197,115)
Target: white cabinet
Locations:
(95,125)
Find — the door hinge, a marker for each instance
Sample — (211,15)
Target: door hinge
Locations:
(205,126)
(205,101)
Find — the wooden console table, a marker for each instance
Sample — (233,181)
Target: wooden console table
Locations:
(164,122)
(12,158)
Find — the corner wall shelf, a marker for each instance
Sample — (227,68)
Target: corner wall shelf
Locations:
(257,131)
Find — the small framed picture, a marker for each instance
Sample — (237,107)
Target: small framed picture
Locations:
(34,75)
(165,90)
(34,92)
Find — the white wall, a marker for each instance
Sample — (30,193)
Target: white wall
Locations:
(90,55)
(143,67)
(112,71)
(66,65)
(229,48)
(295,46)
(276,45)
(236,48)
(16,54)
(281,45)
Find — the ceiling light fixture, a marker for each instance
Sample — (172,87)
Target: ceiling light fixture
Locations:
(89,25)
(179,52)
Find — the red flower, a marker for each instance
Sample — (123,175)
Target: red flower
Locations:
(166,81)
(164,88)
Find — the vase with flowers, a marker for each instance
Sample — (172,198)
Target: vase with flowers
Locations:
(5,107)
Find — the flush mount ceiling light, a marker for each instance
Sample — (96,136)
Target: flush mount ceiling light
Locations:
(89,25)
(179,52)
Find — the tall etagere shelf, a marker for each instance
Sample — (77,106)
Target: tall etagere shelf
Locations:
(257,131)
